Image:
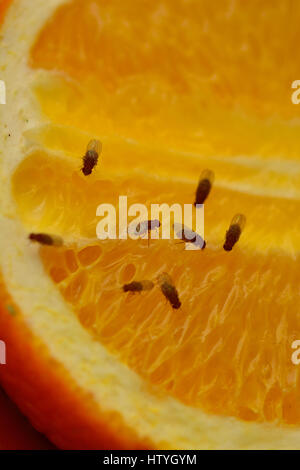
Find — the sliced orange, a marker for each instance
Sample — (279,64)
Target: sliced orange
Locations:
(170,90)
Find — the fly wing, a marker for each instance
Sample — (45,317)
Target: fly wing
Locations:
(132,229)
(189,234)
(137,229)
(178,228)
(199,241)
(184,232)
(94,145)
(154,224)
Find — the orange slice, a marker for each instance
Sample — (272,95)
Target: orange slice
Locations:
(169,90)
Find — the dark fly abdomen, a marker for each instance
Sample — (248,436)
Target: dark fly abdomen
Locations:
(133,287)
(45,239)
(89,162)
(169,290)
(171,294)
(138,286)
(204,186)
(203,191)
(232,236)
(234,232)
(91,156)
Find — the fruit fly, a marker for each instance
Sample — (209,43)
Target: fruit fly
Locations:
(147,226)
(189,236)
(46,239)
(90,159)
(204,186)
(234,232)
(169,290)
(138,286)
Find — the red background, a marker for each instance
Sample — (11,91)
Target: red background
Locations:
(15,430)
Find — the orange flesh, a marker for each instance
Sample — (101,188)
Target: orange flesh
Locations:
(228,349)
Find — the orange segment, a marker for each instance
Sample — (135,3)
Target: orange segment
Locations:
(178,49)
(196,76)
(227,350)
(169,90)
(66,201)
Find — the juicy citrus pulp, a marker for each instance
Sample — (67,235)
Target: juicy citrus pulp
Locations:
(165,107)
